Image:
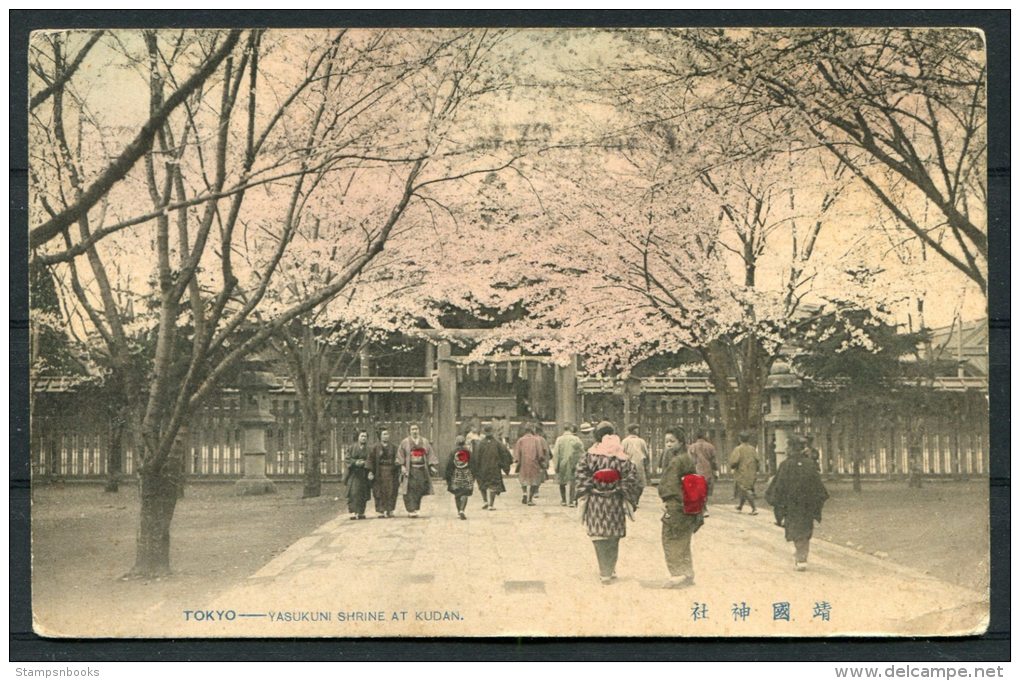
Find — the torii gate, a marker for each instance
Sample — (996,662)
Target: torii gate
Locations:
(443,366)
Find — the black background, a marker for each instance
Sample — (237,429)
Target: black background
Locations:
(993,646)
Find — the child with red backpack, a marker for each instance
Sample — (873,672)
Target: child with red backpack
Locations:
(683,492)
(460,481)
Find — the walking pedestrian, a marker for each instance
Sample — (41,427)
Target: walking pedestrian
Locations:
(703,453)
(586,431)
(637,450)
(502,430)
(531,455)
(356,478)
(548,457)
(473,435)
(417,463)
(745,464)
(490,460)
(384,475)
(678,526)
(606,482)
(567,452)
(471,438)
(797,495)
(459,480)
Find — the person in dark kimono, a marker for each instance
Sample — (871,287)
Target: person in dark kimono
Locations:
(678,528)
(797,495)
(417,463)
(745,462)
(384,475)
(915,469)
(489,461)
(358,488)
(547,448)
(606,482)
(460,482)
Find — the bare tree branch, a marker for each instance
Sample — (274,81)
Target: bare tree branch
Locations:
(132,152)
(65,73)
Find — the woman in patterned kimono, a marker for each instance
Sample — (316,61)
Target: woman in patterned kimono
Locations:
(607,487)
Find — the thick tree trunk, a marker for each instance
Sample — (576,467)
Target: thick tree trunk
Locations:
(159,490)
(121,391)
(741,413)
(313,458)
(115,456)
(178,460)
(857,445)
(914,457)
(739,403)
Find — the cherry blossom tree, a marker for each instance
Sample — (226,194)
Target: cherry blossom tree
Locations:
(713,214)
(433,263)
(56,72)
(903,109)
(639,262)
(234,177)
(664,239)
(199,194)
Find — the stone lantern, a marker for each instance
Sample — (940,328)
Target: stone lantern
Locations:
(782,388)
(255,382)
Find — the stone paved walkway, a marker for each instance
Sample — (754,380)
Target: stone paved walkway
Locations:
(521,571)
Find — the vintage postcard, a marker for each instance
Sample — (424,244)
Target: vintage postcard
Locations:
(509,332)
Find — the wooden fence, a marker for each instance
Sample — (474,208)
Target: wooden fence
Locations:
(948,446)
(68,442)
(952,443)
(70,434)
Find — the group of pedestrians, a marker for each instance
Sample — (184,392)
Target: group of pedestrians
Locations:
(488,460)
(599,472)
(609,485)
(387,471)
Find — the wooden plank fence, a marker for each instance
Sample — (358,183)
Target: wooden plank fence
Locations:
(73,444)
(70,436)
